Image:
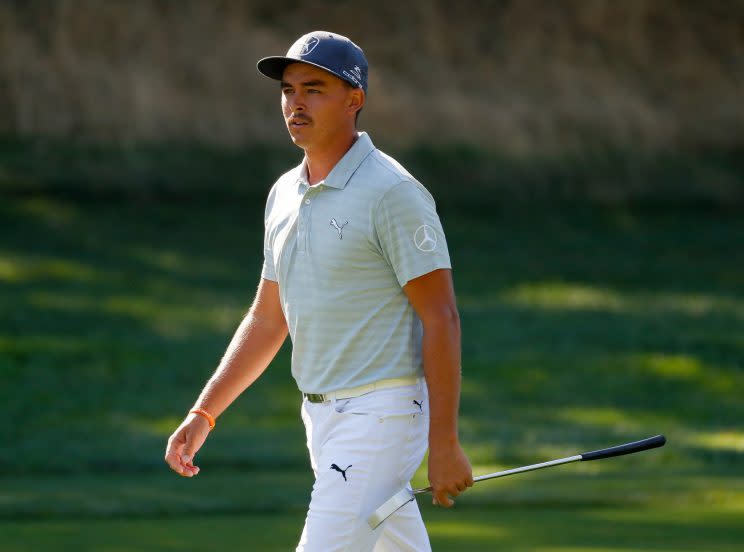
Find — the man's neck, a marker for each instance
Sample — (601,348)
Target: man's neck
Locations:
(321,162)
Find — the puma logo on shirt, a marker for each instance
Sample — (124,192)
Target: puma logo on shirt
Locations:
(338,228)
(342,472)
(420,405)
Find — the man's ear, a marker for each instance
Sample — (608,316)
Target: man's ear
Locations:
(356,100)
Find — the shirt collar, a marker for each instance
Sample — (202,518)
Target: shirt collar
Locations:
(346,166)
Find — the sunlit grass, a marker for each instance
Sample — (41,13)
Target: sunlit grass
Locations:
(14,268)
(691,526)
(683,367)
(467,531)
(179,262)
(575,296)
(168,319)
(606,417)
(730,440)
(576,336)
(565,295)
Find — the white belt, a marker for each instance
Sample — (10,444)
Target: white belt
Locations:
(352,392)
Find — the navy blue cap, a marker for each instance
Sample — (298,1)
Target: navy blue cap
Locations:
(334,53)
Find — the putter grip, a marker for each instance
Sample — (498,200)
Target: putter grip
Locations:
(627,448)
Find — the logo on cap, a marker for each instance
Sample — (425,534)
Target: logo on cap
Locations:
(354,75)
(309,45)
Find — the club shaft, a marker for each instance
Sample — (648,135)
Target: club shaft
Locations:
(403,497)
(531,467)
(619,450)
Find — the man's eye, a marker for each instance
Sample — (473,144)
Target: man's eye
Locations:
(286,91)
(313,91)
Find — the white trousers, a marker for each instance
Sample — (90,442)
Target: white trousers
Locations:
(363,451)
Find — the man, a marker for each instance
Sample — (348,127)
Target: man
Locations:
(356,270)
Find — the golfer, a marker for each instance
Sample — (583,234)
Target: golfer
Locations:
(356,270)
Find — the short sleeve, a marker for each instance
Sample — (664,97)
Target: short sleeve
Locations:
(410,233)
(268,270)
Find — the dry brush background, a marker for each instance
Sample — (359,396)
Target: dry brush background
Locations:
(519,76)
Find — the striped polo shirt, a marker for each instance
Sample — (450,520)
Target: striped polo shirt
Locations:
(341,251)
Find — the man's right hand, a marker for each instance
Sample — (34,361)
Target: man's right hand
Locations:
(185,443)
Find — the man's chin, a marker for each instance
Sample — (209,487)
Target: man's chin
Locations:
(298,139)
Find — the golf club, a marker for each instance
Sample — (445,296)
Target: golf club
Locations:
(403,497)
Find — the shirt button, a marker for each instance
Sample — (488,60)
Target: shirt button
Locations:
(307,202)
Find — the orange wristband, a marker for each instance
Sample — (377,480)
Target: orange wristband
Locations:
(205,415)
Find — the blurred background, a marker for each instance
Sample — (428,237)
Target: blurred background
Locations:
(587,158)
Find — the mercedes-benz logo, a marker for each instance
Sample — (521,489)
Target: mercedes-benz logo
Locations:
(309,45)
(425,238)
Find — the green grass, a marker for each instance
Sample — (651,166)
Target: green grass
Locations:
(582,327)
(541,529)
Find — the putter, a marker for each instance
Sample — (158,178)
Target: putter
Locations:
(401,498)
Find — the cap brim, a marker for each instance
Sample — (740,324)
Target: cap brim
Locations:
(274,66)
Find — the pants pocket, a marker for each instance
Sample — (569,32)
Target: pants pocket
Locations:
(384,405)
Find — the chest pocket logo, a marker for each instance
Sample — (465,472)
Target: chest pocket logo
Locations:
(339,229)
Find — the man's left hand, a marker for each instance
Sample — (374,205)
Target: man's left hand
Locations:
(449,473)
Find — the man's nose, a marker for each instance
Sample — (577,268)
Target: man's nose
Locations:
(297,102)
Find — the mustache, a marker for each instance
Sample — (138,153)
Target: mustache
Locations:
(300,117)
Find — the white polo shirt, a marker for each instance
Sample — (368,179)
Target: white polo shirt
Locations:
(341,251)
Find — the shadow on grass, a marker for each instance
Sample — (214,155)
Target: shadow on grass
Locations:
(581,328)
